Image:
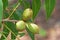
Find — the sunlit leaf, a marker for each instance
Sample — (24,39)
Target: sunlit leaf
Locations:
(1,10)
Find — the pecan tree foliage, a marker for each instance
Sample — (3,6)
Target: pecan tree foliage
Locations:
(20,16)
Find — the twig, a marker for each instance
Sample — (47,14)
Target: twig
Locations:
(9,20)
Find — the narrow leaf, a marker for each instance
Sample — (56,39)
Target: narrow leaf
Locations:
(5,4)
(36,7)
(5,14)
(25,3)
(11,27)
(1,10)
(30,33)
(21,34)
(5,32)
(17,15)
(49,6)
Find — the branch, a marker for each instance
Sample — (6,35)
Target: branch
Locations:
(9,20)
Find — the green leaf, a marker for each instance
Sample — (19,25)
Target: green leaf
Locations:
(5,32)
(5,4)
(42,32)
(20,1)
(36,4)
(49,6)
(11,39)
(30,33)
(11,27)
(21,34)
(17,15)
(25,3)
(4,39)
(5,14)
(1,10)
